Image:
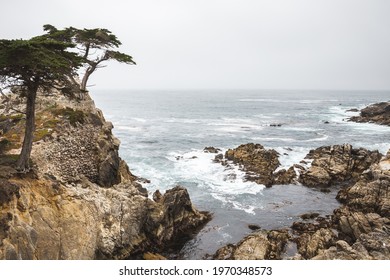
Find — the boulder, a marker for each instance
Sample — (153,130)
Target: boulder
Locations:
(258,162)
(284,177)
(337,164)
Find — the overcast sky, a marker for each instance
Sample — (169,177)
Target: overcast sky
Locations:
(227,44)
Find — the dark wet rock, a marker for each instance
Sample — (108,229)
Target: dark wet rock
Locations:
(157,196)
(211,150)
(230,177)
(284,177)
(337,164)
(304,227)
(173,216)
(353,110)
(218,158)
(254,227)
(275,124)
(308,216)
(261,245)
(378,113)
(258,162)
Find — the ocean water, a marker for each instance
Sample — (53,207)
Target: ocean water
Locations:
(163,134)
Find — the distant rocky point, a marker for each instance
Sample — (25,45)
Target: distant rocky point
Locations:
(378,113)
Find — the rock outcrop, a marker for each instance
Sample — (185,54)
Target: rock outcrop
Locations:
(80,201)
(359,229)
(258,162)
(337,164)
(378,113)
(261,245)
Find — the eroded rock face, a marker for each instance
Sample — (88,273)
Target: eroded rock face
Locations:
(261,245)
(81,201)
(310,244)
(337,164)
(378,113)
(258,162)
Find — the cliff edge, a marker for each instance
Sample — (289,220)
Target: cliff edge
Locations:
(80,201)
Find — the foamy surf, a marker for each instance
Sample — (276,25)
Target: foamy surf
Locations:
(224,184)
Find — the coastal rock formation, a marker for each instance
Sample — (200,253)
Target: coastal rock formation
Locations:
(80,201)
(358,229)
(258,162)
(261,245)
(337,164)
(378,113)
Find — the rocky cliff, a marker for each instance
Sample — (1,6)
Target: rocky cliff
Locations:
(80,200)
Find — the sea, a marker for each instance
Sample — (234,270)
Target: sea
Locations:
(163,134)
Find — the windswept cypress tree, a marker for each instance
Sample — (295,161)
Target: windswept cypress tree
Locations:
(39,63)
(95,46)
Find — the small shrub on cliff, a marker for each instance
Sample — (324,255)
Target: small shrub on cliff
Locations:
(74,116)
(4,143)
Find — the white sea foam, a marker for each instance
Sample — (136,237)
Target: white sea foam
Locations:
(322,137)
(283,139)
(129,128)
(183,120)
(224,184)
(139,120)
(290,156)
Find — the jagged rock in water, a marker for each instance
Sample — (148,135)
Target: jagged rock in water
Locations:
(378,113)
(258,162)
(284,177)
(261,245)
(211,150)
(337,164)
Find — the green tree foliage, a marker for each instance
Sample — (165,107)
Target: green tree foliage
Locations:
(39,63)
(94,45)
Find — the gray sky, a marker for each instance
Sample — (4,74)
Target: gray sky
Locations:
(227,44)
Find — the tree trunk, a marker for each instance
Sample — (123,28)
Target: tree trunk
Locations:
(23,163)
(88,73)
